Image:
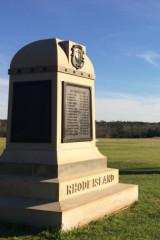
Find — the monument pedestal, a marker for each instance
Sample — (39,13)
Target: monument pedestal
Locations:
(51,173)
(63,203)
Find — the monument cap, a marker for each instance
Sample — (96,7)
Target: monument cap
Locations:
(52,55)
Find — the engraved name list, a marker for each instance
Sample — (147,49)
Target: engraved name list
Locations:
(76,113)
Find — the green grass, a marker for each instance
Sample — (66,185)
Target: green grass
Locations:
(140,222)
(2,144)
(131,153)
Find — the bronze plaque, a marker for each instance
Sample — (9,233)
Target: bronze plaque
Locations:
(76,116)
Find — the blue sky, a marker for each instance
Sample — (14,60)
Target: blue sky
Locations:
(122,39)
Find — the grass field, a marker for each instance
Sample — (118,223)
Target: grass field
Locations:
(2,144)
(131,153)
(140,222)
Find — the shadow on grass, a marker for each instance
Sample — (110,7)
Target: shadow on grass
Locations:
(10,230)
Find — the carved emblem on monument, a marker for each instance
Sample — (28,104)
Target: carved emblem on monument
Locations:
(77,56)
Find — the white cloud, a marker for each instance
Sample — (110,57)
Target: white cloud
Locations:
(3,98)
(150,57)
(113,107)
(4,82)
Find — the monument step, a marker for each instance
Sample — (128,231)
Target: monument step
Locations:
(27,169)
(44,169)
(91,182)
(29,187)
(71,212)
(56,189)
(94,205)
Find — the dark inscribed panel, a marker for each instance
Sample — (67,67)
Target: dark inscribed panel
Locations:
(31,112)
(76,117)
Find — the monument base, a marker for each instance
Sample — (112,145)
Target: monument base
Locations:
(63,203)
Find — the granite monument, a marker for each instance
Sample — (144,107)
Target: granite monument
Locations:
(51,173)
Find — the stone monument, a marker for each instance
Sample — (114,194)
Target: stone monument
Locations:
(51,173)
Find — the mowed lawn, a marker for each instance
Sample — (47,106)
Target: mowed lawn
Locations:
(131,153)
(2,144)
(140,222)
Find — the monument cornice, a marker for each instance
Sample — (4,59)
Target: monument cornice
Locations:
(51,68)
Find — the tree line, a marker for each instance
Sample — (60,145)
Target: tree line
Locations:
(120,129)
(116,129)
(3,128)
